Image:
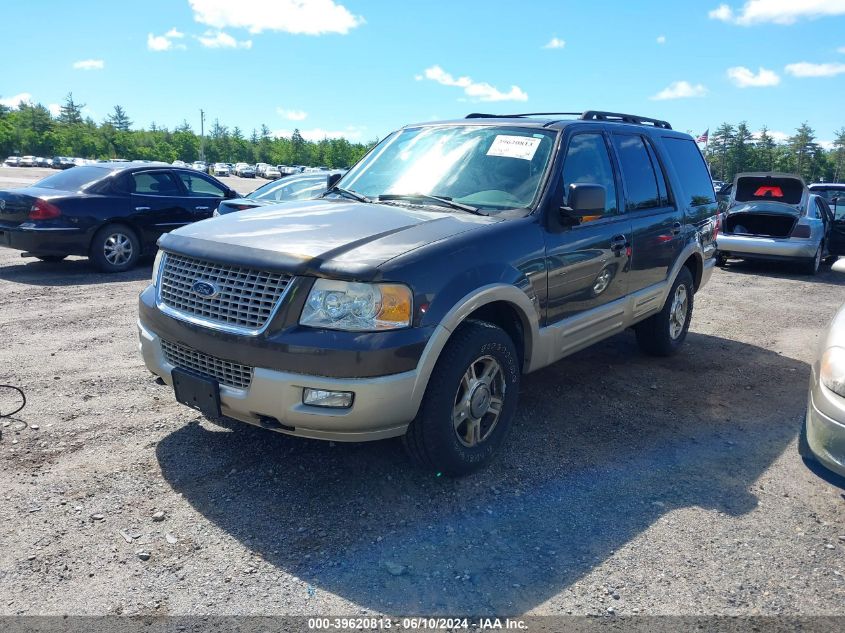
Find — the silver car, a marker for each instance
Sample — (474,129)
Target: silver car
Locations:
(823,434)
(772,216)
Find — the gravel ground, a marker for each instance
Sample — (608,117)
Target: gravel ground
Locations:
(629,485)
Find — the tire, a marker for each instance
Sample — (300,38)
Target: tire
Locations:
(663,334)
(115,248)
(811,267)
(51,259)
(449,434)
(721,259)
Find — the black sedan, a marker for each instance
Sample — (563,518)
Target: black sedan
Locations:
(111,212)
(295,187)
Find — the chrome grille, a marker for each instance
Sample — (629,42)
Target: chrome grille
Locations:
(223,371)
(245,299)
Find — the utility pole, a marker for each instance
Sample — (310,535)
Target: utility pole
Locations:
(202,135)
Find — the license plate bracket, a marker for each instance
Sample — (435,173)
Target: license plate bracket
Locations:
(197,392)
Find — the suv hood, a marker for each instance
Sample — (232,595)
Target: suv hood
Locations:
(319,237)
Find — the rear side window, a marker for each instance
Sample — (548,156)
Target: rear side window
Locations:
(691,169)
(637,172)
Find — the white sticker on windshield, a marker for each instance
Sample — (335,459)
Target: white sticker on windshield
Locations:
(523,147)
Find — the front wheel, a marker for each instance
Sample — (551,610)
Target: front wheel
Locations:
(469,403)
(115,248)
(665,332)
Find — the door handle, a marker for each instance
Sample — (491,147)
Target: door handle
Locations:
(201,208)
(142,208)
(676,228)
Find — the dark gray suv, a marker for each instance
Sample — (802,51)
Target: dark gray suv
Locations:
(453,258)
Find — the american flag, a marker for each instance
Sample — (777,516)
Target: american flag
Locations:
(703,138)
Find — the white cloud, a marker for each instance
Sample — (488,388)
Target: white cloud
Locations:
(55,109)
(351,133)
(15,100)
(661,39)
(174,33)
(777,11)
(165,42)
(806,69)
(723,12)
(89,64)
(307,17)
(555,42)
(221,39)
(680,90)
(778,137)
(477,91)
(745,77)
(292,115)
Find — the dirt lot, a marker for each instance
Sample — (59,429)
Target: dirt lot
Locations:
(630,485)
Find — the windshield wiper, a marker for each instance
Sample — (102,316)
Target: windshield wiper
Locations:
(348,193)
(440,200)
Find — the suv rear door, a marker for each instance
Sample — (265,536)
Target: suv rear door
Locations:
(587,261)
(657,222)
(836,237)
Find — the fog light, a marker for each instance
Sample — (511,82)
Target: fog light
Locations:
(323,398)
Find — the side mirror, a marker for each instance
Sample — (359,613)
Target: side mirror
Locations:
(585,199)
(231,193)
(332,180)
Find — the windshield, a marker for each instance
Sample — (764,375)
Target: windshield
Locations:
(73,179)
(488,167)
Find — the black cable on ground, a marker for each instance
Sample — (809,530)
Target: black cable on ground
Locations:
(23,401)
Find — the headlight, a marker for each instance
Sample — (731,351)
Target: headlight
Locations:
(157,265)
(832,372)
(341,305)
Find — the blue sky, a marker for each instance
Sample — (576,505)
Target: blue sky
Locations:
(362,68)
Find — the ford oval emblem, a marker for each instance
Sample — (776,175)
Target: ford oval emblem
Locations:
(205,289)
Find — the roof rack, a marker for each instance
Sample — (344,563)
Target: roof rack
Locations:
(618,117)
(484,115)
(589,115)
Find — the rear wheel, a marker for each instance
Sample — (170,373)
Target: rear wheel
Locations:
(665,332)
(812,267)
(469,403)
(51,259)
(115,248)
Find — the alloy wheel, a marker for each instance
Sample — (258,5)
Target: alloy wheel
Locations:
(678,312)
(478,401)
(118,249)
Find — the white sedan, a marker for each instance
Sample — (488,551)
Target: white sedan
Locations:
(823,434)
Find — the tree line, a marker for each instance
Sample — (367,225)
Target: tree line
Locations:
(734,149)
(30,128)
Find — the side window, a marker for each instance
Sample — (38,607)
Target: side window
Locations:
(637,172)
(587,161)
(156,183)
(692,171)
(661,177)
(307,190)
(200,187)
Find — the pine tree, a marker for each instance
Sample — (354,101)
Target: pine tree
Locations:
(719,151)
(839,155)
(803,148)
(119,120)
(71,112)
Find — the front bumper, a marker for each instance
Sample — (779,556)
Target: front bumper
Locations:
(766,247)
(826,425)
